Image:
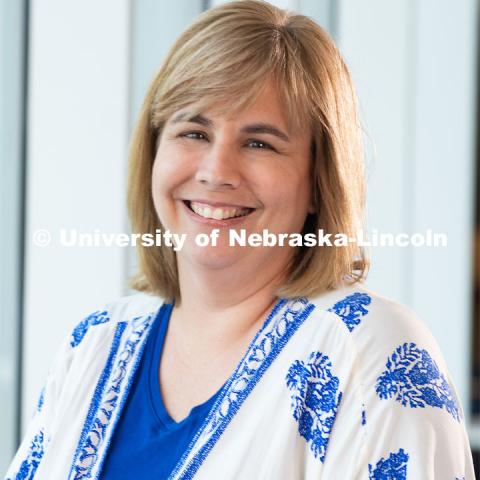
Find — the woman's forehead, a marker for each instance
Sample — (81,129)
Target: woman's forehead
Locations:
(265,105)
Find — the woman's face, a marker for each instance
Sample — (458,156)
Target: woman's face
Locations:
(249,165)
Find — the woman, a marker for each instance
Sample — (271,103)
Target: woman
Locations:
(243,362)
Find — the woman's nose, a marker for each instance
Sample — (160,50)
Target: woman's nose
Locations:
(219,167)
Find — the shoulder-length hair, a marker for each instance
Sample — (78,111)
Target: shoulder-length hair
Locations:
(223,59)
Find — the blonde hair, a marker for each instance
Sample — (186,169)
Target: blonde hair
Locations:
(225,55)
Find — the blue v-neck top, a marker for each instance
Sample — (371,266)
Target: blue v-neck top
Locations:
(147,442)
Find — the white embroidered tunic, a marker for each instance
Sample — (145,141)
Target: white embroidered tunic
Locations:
(347,385)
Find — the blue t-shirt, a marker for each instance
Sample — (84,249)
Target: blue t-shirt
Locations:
(147,442)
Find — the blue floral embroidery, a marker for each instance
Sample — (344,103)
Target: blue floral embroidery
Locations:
(460,478)
(413,378)
(315,400)
(81,329)
(352,308)
(35,454)
(394,468)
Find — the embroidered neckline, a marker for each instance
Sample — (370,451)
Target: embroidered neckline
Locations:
(116,378)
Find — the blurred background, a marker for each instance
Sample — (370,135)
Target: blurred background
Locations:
(72,78)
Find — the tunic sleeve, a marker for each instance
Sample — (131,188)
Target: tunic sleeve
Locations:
(412,413)
(37,435)
(401,416)
(415,423)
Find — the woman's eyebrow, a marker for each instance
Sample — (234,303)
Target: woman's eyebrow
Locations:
(259,127)
(185,117)
(266,128)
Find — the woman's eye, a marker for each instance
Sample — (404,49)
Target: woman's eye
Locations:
(260,145)
(194,135)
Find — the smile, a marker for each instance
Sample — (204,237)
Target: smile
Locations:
(217,212)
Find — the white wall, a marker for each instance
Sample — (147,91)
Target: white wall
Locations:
(77,139)
(156,26)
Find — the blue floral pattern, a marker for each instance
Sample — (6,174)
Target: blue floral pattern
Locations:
(315,400)
(30,464)
(352,308)
(413,378)
(81,329)
(392,468)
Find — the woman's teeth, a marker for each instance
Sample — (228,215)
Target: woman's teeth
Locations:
(218,213)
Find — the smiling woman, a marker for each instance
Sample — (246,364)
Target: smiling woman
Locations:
(246,362)
(272,98)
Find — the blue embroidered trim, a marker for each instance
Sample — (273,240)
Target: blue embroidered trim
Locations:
(29,466)
(413,378)
(81,453)
(81,329)
(315,400)
(149,322)
(394,468)
(108,399)
(352,308)
(263,350)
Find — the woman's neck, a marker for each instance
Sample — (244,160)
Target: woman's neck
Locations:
(224,306)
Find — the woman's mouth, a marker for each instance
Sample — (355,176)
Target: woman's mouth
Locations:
(217,212)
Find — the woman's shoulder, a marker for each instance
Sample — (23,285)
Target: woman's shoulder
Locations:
(125,309)
(378,327)
(392,349)
(359,309)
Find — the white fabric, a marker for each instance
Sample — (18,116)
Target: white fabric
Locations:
(348,385)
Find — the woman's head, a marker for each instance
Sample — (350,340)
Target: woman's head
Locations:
(245,170)
(227,64)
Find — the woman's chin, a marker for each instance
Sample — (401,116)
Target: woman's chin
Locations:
(213,257)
